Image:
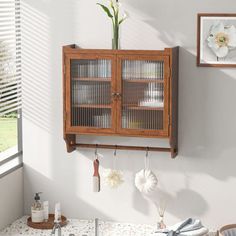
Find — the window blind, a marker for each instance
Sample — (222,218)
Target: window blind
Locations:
(10,56)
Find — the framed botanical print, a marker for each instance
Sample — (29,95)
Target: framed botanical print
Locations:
(216,40)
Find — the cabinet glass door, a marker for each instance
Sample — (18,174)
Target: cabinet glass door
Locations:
(91,87)
(144,95)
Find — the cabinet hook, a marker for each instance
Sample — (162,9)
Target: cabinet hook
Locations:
(147,150)
(146,162)
(96,151)
(115,150)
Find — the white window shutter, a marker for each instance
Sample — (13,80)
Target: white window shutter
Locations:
(10,56)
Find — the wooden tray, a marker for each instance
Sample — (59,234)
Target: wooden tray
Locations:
(46,225)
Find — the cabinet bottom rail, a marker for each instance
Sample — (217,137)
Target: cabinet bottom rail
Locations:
(121,147)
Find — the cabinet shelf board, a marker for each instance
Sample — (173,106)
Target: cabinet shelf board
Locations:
(93,79)
(133,107)
(143,80)
(92,106)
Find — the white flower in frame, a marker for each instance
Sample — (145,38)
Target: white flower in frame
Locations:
(221,39)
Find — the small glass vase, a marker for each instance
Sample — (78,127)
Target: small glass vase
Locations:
(161,213)
(115,44)
(115,38)
(161,224)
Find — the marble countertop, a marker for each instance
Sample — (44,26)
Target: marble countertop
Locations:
(82,228)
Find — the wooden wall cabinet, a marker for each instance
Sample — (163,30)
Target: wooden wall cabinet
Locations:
(120,92)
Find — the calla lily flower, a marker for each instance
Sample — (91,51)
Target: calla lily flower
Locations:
(115,4)
(114,12)
(222,39)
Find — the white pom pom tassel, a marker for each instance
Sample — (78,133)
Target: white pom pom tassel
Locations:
(146,181)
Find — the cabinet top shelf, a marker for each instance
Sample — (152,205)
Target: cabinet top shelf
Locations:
(75,49)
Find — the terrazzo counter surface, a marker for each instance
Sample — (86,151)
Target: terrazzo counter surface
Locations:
(82,228)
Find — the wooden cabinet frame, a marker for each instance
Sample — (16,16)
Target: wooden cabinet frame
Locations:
(170,111)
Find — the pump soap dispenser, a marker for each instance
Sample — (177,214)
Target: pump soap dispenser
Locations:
(37,212)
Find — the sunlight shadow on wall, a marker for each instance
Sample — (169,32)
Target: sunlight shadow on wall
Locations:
(137,30)
(37,86)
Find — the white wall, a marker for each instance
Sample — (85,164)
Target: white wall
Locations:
(11,197)
(200,182)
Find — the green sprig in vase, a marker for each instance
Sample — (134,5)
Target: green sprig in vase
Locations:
(113,12)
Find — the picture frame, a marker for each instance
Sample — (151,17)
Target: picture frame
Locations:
(216,40)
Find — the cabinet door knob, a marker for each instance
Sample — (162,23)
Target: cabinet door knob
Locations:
(118,95)
(113,95)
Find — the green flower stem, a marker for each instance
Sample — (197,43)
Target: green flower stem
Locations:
(115,44)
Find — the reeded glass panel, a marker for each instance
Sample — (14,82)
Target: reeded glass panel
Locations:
(137,69)
(91,93)
(143,94)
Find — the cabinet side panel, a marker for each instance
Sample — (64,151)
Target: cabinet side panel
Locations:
(174,59)
(69,138)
